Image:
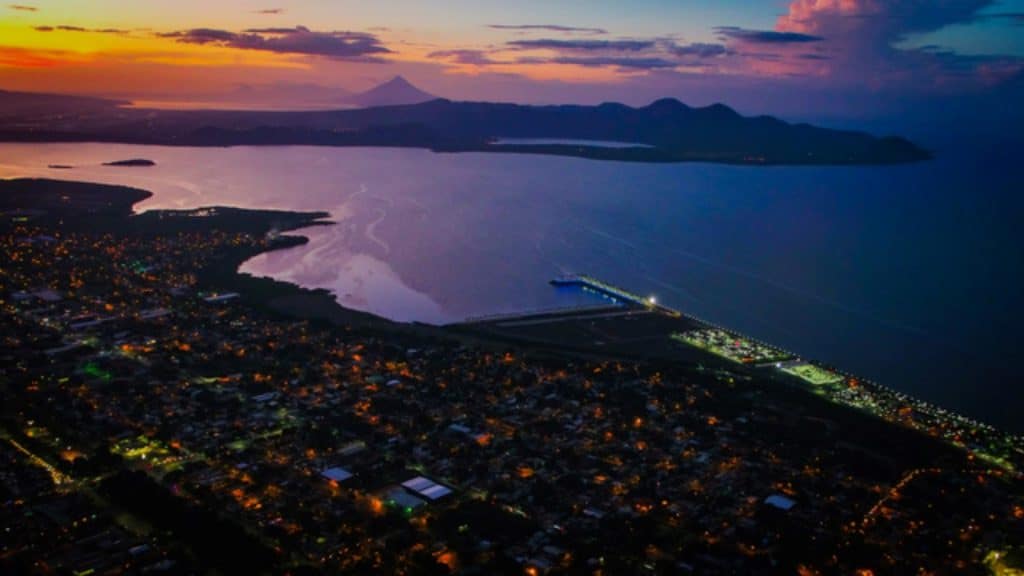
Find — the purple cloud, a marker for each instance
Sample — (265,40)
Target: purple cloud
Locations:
(646,63)
(79,29)
(464,56)
(699,50)
(201,36)
(548,28)
(340,45)
(585,45)
(278,31)
(890,19)
(766,36)
(624,54)
(862,38)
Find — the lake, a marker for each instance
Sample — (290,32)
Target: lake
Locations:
(908,275)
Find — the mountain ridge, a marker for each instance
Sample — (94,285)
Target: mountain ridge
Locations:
(666,130)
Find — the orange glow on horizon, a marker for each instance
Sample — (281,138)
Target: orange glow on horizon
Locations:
(15,57)
(160,70)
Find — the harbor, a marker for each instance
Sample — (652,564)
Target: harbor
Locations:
(632,326)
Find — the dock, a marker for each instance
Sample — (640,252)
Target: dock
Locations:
(633,327)
(614,292)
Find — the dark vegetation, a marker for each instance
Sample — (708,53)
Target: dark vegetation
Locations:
(216,542)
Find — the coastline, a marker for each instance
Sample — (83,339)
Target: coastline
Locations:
(318,305)
(191,384)
(649,155)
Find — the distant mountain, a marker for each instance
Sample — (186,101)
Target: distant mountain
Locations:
(395,92)
(670,130)
(21,104)
(664,131)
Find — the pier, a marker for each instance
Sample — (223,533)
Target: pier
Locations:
(614,292)
(635,327)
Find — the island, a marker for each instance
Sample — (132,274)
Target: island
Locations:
(140,162)
(60,167)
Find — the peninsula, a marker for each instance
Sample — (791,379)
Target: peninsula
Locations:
(666,130)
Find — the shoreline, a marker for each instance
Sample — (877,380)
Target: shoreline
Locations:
(212,409)
(320,305)
(638,155)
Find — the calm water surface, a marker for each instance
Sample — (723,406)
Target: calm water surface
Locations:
(570,142)
(909,275)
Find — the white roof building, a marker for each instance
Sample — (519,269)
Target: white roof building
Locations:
(337,474)
(427,488)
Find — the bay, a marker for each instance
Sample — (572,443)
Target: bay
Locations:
(908,275)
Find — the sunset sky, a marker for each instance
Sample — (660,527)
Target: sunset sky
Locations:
(805,57)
